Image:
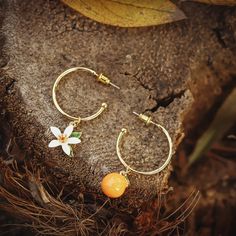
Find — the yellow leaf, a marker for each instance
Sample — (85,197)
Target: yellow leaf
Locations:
(128,13)
(217,2)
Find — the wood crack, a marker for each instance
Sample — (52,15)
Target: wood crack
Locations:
(10,86)
(166,101)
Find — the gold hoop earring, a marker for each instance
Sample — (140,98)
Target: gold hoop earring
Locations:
(114,184)
(69,136)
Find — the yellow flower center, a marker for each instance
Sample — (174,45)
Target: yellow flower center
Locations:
(62,138)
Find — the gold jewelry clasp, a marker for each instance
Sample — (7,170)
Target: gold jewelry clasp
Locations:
(103,79)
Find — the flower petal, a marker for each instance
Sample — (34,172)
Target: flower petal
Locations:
(66,148)
(54,143)
(55,131)
(73,140)
(68,131)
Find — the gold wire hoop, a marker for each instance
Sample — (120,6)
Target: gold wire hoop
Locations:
(147,120)
(100,77)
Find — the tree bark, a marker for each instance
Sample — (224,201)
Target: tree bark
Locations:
(152,66)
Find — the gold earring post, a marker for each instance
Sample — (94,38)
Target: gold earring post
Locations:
(103,79)
(143,117)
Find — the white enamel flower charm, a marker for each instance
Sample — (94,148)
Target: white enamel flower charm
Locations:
(65,139)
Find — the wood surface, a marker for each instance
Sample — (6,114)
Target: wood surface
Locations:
(152,65)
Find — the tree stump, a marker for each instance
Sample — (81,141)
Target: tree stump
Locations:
(152,65)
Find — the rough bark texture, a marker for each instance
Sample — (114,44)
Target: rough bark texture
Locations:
(151,65)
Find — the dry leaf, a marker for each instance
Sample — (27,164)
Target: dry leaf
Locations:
(216,2)
(128,13)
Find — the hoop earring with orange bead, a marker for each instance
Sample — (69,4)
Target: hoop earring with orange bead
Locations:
(114,184)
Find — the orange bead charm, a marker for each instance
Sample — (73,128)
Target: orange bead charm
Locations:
(114,185)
